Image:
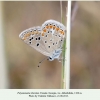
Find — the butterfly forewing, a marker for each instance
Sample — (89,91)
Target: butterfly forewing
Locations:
(32,37)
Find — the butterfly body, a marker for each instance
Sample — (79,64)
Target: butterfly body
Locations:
(55,55)
(47,39)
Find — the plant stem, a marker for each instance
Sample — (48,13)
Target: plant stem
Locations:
(66,63)
(67,54)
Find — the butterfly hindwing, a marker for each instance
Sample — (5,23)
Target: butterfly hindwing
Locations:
(53,33)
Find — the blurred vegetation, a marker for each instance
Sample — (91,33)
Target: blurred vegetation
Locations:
(85,47)
(22,60)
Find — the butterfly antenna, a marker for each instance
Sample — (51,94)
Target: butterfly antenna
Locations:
(42,61)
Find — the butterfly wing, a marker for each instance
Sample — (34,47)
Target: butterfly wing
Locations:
(52,35)
(32,37)
(45,39)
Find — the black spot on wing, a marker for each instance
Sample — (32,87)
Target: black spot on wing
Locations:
(48,46)
(45,41)
(30,42)
(37,44)
(32,38)
(38,38)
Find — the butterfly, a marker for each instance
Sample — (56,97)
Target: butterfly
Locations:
(47,39)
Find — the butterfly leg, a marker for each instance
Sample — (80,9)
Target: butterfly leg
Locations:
(62,58)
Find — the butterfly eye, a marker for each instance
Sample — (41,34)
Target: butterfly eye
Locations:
(50,58)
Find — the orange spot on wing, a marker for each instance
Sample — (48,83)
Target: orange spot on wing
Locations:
(24,38)
(57,29)
(32,33)
(42,34)
(47,27)
(50,26)
(54,27)
(27,34)
(62,32)
(37,32)
(44,30)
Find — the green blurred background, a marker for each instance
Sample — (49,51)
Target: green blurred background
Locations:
(22,60)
